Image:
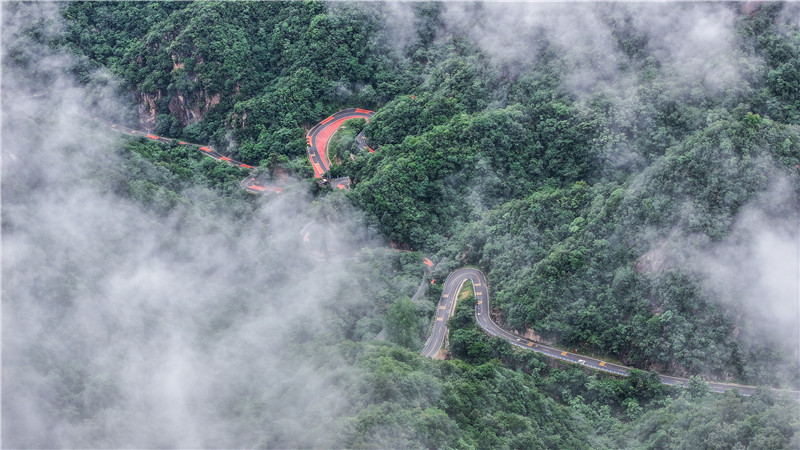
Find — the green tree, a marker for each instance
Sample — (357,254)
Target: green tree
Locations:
(403,323)
(698,388)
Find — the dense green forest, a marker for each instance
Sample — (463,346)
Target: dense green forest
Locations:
(629,207)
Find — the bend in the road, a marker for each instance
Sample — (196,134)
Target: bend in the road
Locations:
(483,316)
(319,136)
(446,308)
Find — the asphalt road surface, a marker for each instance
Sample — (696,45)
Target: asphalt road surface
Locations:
(447,303)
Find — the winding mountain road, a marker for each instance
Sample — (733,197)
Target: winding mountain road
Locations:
(317,140)
(249,184)
(319,136)
(447,302)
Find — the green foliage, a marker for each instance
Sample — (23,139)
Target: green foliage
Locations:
(772,36)
(579,206)
(403,323)
(721,421)
(516,174)
(483,406)
(261,70)
(161,176)
(697,387)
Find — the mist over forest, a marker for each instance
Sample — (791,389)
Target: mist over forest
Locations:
(626,175)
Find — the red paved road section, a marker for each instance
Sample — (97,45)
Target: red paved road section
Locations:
(319,137)
(248,184)
(321,142)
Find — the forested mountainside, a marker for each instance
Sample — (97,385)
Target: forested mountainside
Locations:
(627,175)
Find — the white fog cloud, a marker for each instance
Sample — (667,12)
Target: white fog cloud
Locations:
(694,43)
(123,328)
(756,271)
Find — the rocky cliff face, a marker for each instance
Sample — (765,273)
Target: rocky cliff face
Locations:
(147,108)
(188,106)
(192,110)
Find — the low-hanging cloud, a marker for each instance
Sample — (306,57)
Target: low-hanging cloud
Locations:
(755,273)
(126,328)
(693,43)
(600,51)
